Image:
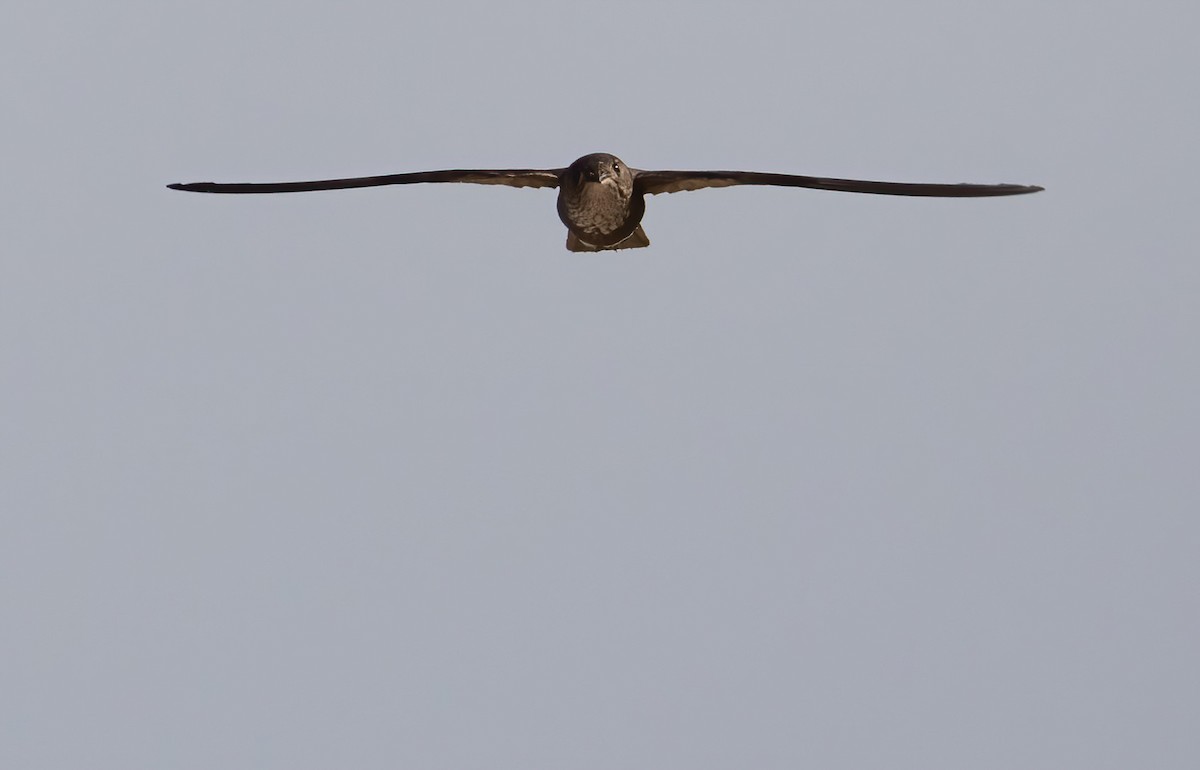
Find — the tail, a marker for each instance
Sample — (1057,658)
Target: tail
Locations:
(636,240)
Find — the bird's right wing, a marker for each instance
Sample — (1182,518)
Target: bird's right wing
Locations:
(516,177)
(653,182)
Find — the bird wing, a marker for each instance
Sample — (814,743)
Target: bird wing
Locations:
(654,182)
(513,177)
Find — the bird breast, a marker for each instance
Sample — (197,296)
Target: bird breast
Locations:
(599,207)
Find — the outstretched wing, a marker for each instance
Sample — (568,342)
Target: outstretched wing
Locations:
(653,182)
(513,177)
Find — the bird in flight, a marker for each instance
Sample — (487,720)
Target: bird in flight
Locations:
(601,200)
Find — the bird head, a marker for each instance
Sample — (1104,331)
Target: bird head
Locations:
(601,168)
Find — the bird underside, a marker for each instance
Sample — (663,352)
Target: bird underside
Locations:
(636,240)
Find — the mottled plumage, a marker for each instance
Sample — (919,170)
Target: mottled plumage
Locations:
(602,201)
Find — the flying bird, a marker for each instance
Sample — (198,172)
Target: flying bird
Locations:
(601,200)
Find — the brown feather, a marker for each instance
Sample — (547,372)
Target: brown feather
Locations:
(654,182)
(522,177)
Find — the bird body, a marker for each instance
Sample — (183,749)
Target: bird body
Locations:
(596,202)
(601,200)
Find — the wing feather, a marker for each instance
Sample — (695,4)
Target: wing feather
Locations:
(654,182)
(518,177)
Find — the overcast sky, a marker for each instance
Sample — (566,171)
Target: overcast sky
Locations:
(389,479)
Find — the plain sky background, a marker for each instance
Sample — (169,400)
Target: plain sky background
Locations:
(388,479)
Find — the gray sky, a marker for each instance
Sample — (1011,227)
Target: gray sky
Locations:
(387,478)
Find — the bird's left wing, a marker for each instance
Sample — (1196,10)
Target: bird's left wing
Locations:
(514,177)
(653,182)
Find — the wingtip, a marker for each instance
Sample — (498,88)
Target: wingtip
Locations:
(1022,189)
(192,186)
